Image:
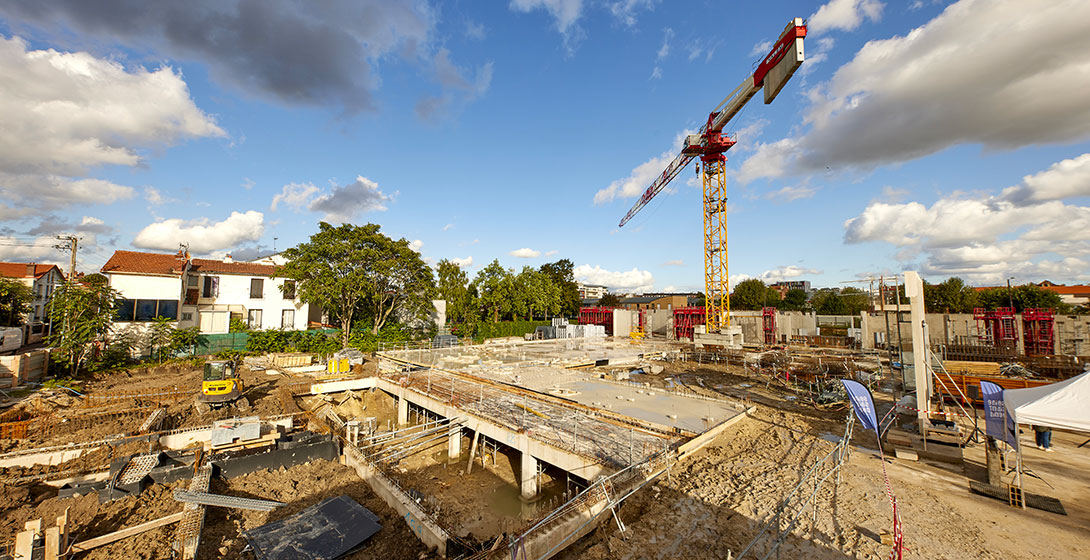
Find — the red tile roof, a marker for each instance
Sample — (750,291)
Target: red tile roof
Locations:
(1069,290)
(135,262)
(19,270)
(244,268)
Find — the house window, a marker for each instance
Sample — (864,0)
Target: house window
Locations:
(289,289)
(287,319)
(125,309)
(187,316)
(168,308)
(253,320)
(192,281)
(145,310)
(257,287)
(211,287)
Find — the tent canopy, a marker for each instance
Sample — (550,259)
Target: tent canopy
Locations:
(1064,405)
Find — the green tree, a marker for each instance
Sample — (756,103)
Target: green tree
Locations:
(81,315)
(562,275)
(15,298)
(952,295)
(794,300)
(160,335)
(609,300)
(535,293)
(494,285)
(453,287)
(846,301)
(185,339)
(238,325)
(345,268)
(749,294)
(1030,295)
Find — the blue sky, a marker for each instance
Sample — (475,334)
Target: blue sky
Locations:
(948,137)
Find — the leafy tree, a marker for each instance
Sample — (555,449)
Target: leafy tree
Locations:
(536,293)
(344,268)
(15,298)
(1023,297)
(494,286)
(952,295)
(750,294)
(846,301)
(238,325)
(453,287)
(81,315)
(609,300)
(185,339)
(160,335)
(794,300)
(562,275)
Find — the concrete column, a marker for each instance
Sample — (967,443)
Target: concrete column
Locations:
(454,444)
(402,409)
(920,348)
(528,477)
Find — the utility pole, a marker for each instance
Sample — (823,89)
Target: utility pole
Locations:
(73,245)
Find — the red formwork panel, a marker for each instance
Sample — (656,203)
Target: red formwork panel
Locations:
(1038,331)
(685,320)
(768,315)
(597,316)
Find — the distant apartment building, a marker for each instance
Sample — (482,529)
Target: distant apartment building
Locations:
(591,291)
(42,279)
(656,301)
(787,285)
(206,293)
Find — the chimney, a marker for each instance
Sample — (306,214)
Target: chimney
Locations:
(30,269)
(228,259)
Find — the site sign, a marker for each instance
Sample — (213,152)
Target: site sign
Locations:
(862,403)
(997,423)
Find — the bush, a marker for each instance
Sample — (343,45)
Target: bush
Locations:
(314,342)
(507,328)
(390,335)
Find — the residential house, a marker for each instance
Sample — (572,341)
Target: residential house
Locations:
(42,279)
(1073,295)
(590,291)
(204,292)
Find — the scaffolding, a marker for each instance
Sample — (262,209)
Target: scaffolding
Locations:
(997,327)
(1038,331)
(685,321)
(768,315)
(597,316)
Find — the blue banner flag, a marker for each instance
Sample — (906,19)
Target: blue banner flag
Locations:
(862,403)
(997,423)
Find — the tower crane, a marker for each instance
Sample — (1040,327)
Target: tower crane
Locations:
(709,144)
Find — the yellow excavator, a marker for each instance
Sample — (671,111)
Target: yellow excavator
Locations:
(221,386)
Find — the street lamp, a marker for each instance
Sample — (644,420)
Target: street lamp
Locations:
(1010,293)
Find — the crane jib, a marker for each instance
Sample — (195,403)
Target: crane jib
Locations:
(777,53)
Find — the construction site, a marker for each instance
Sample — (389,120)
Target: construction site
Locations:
(688,432)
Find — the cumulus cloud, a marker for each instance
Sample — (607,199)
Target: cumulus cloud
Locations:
(642,176)
(296,195)
(791,193)
(314,54)
(844,14)
(564,12)
(344,203)
(202,236)
(458,89)
(1026,230)
(66,113)
(634,280)
(525,253)
(784,272)
(463,263)
(416,244)
(880,108)
(40,249)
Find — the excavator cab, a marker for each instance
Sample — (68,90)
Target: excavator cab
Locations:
(221,384)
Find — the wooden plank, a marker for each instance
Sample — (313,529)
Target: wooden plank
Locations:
(125,533)
(24,545)
(53,550)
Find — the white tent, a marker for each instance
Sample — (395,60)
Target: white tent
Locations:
(1064,405)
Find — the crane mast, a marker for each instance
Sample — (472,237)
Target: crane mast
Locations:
(710,144)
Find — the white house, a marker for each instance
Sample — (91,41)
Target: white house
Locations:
(203,292)
(42,279)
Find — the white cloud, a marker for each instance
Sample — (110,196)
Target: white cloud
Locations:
(248,183)
(551,253)
(66,113)
(844,14)
(664,51)
(475,30)
(634,280)
(342,204)
(791,193)
(642,176)
(416,244)
(202,236)
(626,11)
(1065,179)
(676,262)
(40,249)
(525,253)
(296,195)
(458,89)
(463,263)
(784,272)
(448,227)
(565,12)
(761,49)
(880,108)
(1027,230)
